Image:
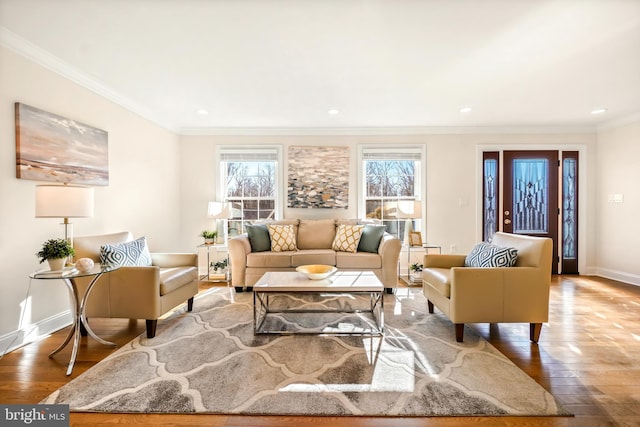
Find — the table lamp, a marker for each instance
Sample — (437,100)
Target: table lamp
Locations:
(409,210)
(220,211)
(64,201)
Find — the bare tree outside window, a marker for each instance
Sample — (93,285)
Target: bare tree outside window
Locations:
(387,182)
(251,189)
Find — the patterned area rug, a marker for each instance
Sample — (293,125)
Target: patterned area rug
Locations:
(209,361)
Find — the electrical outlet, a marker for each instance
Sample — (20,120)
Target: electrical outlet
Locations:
(453,248)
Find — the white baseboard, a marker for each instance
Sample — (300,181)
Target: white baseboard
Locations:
(34,332)
(620,276)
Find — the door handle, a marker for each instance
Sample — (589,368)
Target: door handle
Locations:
(507,221)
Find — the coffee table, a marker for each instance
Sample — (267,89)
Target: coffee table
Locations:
(342,282)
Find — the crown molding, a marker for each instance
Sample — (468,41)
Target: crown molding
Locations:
(372,131)
(36,54)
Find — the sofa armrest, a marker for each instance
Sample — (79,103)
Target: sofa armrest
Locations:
(443,261)
(499,294)
(239,248)
(389,251)
(168,260)
(141,301)
(477,294)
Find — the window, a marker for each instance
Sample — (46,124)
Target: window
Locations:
(390,176)
(490,195)
(250,181)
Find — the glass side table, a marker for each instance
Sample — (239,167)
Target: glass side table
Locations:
(68,276)
(213,254)
(415,255)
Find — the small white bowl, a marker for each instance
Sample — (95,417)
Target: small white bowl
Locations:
(316,271)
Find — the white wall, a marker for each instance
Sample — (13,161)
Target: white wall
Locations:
(452,180)
(618,228)
(142,195)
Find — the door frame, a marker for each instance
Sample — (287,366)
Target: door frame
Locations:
(583,213)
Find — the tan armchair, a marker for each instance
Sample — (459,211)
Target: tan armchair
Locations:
(138,292)
(492,294)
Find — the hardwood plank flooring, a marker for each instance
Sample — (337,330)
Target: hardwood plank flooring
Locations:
(587,357)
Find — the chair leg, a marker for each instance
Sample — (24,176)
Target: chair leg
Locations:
(459,331)
(151,328)
(83,330)
(430,306)
(534,331)
(190,304)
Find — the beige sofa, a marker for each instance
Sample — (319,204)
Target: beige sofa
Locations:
(314,240)
(493,294)
(138,292)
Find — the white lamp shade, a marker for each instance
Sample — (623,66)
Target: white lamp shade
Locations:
(409,209)
(64,201)
(219,210)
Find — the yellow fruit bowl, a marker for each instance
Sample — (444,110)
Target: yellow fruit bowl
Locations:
(316,271)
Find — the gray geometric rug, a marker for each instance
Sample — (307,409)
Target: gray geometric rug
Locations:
(209,361)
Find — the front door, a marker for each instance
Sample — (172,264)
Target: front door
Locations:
(530,195)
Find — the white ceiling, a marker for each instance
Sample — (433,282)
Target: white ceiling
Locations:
(282,64)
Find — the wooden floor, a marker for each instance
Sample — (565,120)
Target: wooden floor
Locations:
(588,357)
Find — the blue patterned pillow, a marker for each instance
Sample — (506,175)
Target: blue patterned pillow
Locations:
(134,253)
(486,255)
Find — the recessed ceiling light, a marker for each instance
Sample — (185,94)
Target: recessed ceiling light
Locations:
(599,111)
(202,112)
(465,110)
(333,111)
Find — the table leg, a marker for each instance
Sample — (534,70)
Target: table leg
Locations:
(83,317)
(73,295)
(79,319)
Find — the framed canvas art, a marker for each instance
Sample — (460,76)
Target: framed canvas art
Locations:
(50,147)
(318,177)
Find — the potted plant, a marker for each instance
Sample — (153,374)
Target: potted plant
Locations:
(220,270)
(416,267)
(55,252)
(209,236)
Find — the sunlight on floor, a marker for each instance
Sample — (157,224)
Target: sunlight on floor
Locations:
(393,372)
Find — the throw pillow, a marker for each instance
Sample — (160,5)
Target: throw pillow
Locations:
(347,238)
(259,238)
(370,239)
(134,253)
(283,238)
(145,256)
(487,255)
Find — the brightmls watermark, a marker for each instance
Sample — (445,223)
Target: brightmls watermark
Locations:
(34,415)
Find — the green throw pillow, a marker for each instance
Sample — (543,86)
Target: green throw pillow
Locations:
(370,239)
(259,238)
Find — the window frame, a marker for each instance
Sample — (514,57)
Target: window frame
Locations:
(414,152)
(247,153)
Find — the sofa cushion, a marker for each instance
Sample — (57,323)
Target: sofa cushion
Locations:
(316,233)
(134,253)
(282,237)
(259,238)
(175,278)
(370,239)
(269,259)
(487,255)
(347,238)
(359,261)
(313,256)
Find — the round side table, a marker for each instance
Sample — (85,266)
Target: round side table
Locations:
(78,302)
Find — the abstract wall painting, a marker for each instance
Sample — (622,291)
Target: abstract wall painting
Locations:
(54,148)
(318,177)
